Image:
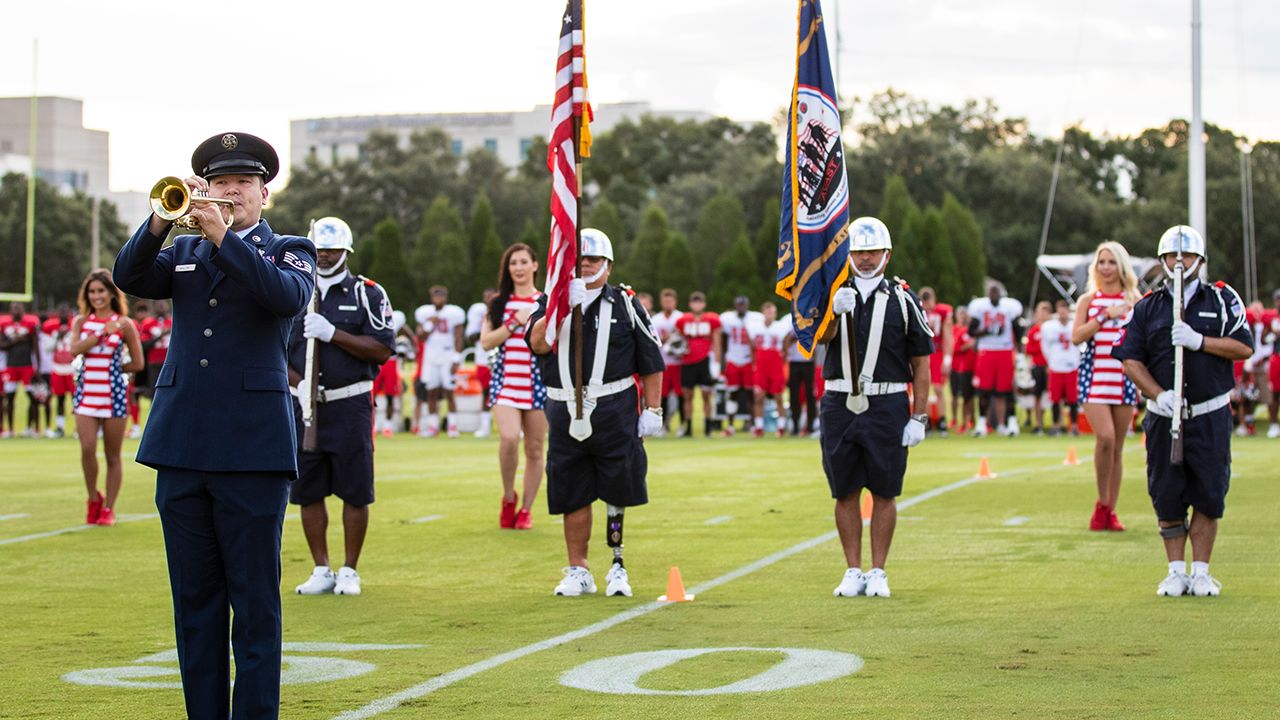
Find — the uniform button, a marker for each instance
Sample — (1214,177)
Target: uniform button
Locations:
(204,363)
(213,302)
(208,332)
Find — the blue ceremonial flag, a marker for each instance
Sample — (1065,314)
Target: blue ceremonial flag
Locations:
(813,258)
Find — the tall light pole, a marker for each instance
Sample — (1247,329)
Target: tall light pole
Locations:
(1195,139)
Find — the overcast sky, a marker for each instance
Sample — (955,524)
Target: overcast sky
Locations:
(161,82)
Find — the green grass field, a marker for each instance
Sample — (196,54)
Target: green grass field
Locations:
(1037,618)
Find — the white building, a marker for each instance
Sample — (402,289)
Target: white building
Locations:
(68,156)
(507,134)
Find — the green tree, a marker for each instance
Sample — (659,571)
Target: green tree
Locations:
(451,267)
(766,245)
(966,242)
(736,274)
(534,236)
(900,214)
(481,225)
(605,218)
(485,270)
(677,268)
(388,267)
(936,261)
(720,225)
(642,266)
(440,219)
(486,245)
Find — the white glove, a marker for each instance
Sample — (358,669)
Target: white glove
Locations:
(577,292)
(304,390)
(913,433)
(1164,403)
(1186,337)
(946,364)
(650,423)
(315,325)
(844,301)
(1248,366)
(714,366)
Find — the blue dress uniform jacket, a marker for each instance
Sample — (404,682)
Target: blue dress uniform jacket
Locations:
(221,401)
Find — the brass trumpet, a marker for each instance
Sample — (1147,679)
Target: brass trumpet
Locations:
(171,199)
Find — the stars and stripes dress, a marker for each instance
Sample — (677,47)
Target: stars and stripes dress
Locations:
(102,388)
(516,381)
(1102,379)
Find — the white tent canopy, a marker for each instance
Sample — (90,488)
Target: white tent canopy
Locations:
(1069,274)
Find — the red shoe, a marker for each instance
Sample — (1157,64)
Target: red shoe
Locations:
(107,517)
(95,510)
(507,518)
(387,432)
(1101,517)
(728,431)
(524,521)
(757,432)
(1113,522)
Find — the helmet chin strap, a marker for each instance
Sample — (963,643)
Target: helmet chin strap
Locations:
(337,267)
(1189,273)
(599,273)
(874,273)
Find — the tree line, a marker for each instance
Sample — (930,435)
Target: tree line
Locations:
(694,205)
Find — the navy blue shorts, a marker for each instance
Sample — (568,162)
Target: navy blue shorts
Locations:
(1204,477)
(343,462)
(610,465)
(864,451)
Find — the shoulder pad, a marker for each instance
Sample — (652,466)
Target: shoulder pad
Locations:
(366,281)
(901,283)
(627,289)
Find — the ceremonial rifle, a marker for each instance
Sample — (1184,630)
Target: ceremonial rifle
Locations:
(312,373)
(1175,422)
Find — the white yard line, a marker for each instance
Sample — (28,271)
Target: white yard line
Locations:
(718,520)
(427,519)
(391,702)
(77,528)
(1017,521)
(15,516)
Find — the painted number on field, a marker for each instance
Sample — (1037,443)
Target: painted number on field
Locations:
(160,671)
(621,675)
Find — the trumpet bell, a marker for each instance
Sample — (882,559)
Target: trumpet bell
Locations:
(170,199)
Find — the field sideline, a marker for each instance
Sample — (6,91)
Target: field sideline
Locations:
(1003,606)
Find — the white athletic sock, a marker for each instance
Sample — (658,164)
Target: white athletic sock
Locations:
(759,424)
(1199,568)
(1178,566)
(484,418)
(61,422)
(433,422)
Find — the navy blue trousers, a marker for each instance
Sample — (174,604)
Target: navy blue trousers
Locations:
(222,541)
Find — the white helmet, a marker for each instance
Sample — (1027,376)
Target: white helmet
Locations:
(1184,238)
(868,233)
(596,244)
(331,233)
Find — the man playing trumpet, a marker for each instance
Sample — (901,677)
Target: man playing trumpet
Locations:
(221,434)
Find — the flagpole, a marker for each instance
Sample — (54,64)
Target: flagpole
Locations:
(576,333)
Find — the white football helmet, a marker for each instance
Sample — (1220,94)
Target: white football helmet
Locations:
(868,233)
(331,233)
(596,244)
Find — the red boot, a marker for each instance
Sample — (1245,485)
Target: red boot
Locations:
(95,510)
(1101,517)
(507,518)
(1113,522)
(524,520)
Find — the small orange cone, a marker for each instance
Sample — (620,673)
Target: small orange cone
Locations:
(675,588)
(984,470)
(866,506)
(1071,457)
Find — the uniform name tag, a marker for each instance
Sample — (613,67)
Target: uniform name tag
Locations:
(348,307)
(185,268)
(1208,314)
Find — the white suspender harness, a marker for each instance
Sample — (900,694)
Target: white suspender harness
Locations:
(580,429)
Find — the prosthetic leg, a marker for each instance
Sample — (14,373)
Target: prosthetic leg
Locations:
(616,581)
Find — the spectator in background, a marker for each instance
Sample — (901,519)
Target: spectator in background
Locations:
(802,393)
(1108,395)
(939,316)
(964,356)
(700,365)
(102,332)
(440,327)
(738,374)
(1063,363)
(992,323)
(1270,334)
(19,334)
(475,326)
(673,348)
(61,376)
(1039,365)
(768,338)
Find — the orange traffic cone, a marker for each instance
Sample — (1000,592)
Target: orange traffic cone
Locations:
(675,588)
(1071,457)
(984,470)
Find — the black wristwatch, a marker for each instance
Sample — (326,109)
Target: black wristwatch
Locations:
(922,417)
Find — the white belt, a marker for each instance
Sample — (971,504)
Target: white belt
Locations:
(884,388)
(342,393)
(1201,408)
(591,392)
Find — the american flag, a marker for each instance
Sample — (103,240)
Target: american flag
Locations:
(569,110)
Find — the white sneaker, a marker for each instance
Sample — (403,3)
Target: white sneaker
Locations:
(483,431)
(1242,431)
(321,582)
(1175,584)
(135,432)
(615,582)
(576,581)
(453,431)
(877,583)
(980,427)
(853,584)
(1204,585)
(1011,428)
(1274,432)
(348,582)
